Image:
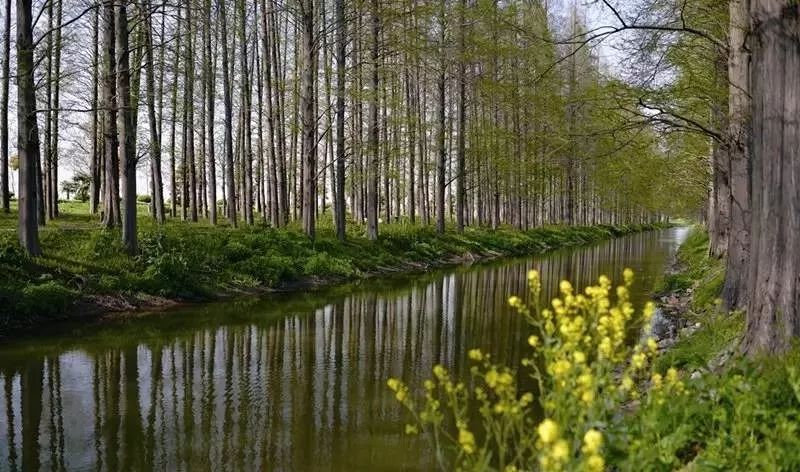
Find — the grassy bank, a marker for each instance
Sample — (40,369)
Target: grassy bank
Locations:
(198,261)
(738,414)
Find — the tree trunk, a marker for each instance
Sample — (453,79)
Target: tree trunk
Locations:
(96,164)
(734,290)
(55,112)
(210,97)
(442,160)
(341,59)
(111,216)
(226,76)
(773,314)
(5,193)
(309,119)
(247,148)
(155,134)
(127,149)
(27,131)
(372,167)
(189,158)
(462,122)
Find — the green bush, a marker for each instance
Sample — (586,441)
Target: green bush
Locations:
(323,264)
(47,299)
(270,270)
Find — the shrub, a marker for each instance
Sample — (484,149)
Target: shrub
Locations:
(268,269)
(323,264)
(46,299)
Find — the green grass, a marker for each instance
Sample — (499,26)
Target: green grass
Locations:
(198,261)
(742,416)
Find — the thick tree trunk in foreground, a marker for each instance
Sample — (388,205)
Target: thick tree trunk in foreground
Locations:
(773,313)
(28,132)
(736,273)
(127,149)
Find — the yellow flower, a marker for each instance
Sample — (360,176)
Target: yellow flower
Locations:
(533,340)
(533,275)
(400,395)
(439,371)
(393,384)
(565,287)
(560,450)
(592,441)
(579,357)
(638,360)
(475,355)
(627,383)
(587,397)
(656,380)
(514,301)
(627,275)
(467,440)
(652,344)
(548,431)
(672,375)
(595,463)
(411,429)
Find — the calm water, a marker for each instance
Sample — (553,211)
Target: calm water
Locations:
(290,382)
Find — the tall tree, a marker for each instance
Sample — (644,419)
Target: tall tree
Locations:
(773,311)
(155,132)
(309,118)
(373,146)
(111,212)
(441,162)
(341,60)
(27,131)
(226,78)
(208,70)
(127,148)
(5,192)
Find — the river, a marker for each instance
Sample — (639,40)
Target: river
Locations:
(286,382)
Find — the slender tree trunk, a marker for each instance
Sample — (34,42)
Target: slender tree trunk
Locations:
(55,112)
(127,148)
(27,131)
(773,313)
(111,216)
(247,151)
(341,59)
(190,164)
(210,97)
(462,122)
(155,134)
(309,118)
(226,75)
(374,155)
(96,164)
(172,159)
(442,161)
(5,192)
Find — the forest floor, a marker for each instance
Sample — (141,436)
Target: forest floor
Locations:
(736,414)
(84,271)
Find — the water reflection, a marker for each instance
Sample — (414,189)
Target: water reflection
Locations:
(289,383)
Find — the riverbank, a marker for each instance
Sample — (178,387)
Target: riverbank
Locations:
(84,271)
(736,414)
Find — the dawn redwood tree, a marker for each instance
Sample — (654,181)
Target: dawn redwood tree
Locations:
(155,132)
(111,212)
(5,193)
(27,132)
(374,128)
(309,118)
(341,61)
(773,311)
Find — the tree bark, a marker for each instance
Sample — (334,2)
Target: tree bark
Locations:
(372,167)
(341,58)
(127,149)
(441,162)
(5,192)
(27,131)
(309,119)
(111,216)
(155,133)
(734,291)
(210,97)
(226,76)
(773,314)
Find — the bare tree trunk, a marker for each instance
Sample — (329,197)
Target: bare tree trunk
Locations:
(126,130)
(442,161)
(374,156)
(247,154)
(27,131)
(96,164)
(5,192)
(210,97)
(111,216)
(736,274)
(341,59)
(55,111)
(155,133)
(190,165)
(462,122)
(309,119)
(226,76)
(773,314)
(173,169)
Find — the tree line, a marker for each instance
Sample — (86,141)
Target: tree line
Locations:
(439,112)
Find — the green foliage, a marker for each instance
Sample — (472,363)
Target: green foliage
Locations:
(47,299)
(325,265)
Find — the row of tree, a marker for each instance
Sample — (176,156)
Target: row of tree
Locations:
(451,110)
